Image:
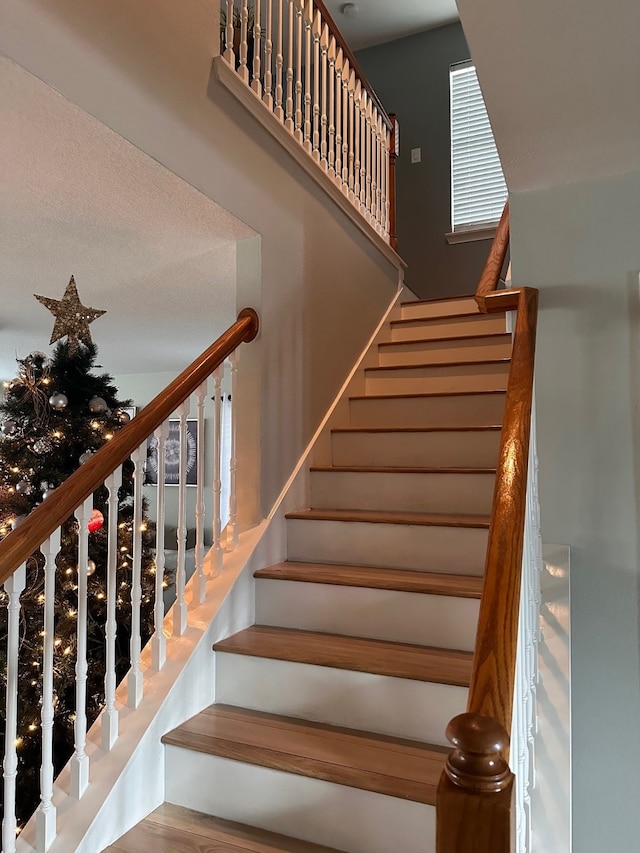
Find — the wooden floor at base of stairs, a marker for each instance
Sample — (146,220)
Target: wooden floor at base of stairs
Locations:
(386,765)
(360,654)
(398,580)
(174,829)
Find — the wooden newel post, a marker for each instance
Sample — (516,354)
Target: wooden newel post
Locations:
(393,153)
(474,800)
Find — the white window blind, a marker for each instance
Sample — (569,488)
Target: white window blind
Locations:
(478,190)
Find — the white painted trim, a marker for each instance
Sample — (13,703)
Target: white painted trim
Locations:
(470,235)
(248,98)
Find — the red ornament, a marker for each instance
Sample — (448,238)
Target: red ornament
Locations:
(96,521)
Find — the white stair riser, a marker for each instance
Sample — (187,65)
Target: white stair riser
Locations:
(382,614)
(423,310)
(451,493)
(398,707)
(435,352)
(440,328)
(416,449)
(459,550)
(311,809)
(454,410)
(425,380)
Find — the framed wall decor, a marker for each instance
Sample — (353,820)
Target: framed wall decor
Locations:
(172,455)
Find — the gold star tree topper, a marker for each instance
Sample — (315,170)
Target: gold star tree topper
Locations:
(72,317)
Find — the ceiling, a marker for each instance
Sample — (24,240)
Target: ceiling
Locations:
(76,198)
(378,21)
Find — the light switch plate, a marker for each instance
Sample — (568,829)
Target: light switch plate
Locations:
(416,155)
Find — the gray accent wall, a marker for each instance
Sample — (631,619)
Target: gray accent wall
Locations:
(579,245)
(411,77)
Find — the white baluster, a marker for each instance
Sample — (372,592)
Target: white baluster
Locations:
(159,641)
(298,116)
(324,46)
(109,719)
(357,96)
(243,70)
(346,73)
(232,527)
(217,480)
(180,607)
(368,204)
(289,112)
(80,759)
(256,85)
(352,85)
(386,147)
(308,37)
(201,593)
(378,171)
(317,31)
(46,813)
(332,107)
(338,67)
(374,166)
(13,586)
(228,53)
(363,150)
(134,678)
(268,57)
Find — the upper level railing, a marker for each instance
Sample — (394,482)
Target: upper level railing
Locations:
(484,794)
(34,546)
(291,54)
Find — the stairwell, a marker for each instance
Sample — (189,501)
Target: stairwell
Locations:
(328,727)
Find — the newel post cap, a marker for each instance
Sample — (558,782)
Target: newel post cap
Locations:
(477,762)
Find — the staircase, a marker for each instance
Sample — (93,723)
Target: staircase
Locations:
(329,723)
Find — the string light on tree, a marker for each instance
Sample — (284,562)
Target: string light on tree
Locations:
(57,412)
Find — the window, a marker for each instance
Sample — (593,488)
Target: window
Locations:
(478,190)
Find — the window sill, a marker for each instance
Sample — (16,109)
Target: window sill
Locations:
(468,235)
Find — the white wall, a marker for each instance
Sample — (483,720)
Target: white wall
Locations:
(580,245)
(144,69)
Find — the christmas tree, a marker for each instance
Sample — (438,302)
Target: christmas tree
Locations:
(55,414)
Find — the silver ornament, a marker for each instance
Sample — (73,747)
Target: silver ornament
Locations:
(48,492)
(91,567)
(124,417)
(42,445)
(9,427)
(24,487)
(86,456)
(17,521)
(97,405)
(58,401)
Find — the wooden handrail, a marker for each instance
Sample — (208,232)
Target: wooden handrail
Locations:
(492,678)
(353,62)
(40,524)
(490,278)
(475,795)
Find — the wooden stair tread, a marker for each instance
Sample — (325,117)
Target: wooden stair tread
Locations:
(478,316)
(438,365)
(427,519)
(399,580)
(487,428)
(370,469)
(361,654)
(428,394)
(175,829)
(392,766)
(433,299)
(506,335)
